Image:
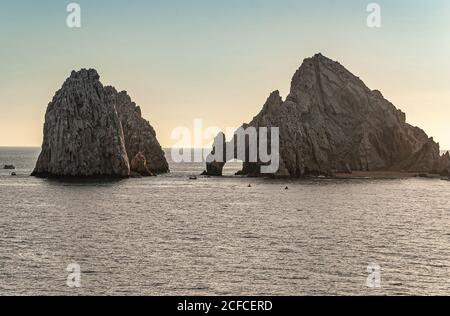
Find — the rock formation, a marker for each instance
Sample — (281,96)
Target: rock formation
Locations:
(139,165)
(331,122)
(443,165)
(140,137)
(9,167)
(92,130)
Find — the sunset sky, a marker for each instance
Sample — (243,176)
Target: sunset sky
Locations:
(219,60)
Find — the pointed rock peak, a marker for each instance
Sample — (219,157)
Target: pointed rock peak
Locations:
(273,100)
(317,68)
(89,74)
(322,58)
(275,95)
(272,106)
(319,56)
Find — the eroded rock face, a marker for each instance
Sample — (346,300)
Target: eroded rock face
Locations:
(443,165)
(140,137)
(332,122)
(83,131)
(139,165)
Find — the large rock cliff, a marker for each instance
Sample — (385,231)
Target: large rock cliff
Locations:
(92,130)
(331,122)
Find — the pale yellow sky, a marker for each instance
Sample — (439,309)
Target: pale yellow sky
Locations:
(221,103)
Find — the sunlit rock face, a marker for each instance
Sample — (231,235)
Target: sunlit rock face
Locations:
(331,122)
(91,130)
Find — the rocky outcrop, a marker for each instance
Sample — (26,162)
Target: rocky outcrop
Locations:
(9,167)
(443,165)
(90,130)
(331,122)
(139,165)
(139,135)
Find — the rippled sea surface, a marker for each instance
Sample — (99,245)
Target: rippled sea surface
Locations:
(173,236)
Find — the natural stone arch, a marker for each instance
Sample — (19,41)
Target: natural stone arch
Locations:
(230,152)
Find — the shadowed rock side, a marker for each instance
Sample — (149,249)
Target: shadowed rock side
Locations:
(443,165)
(91,131)
(140,137)
(331,122)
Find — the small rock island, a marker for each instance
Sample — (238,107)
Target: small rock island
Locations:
(94,131)
(331,123)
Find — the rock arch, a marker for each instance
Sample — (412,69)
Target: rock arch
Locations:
(232,150)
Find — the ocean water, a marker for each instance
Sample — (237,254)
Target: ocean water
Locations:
(217,236)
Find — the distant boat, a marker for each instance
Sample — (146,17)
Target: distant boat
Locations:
(192,178)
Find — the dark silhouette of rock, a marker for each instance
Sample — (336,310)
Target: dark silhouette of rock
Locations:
(139,165)
(13,174)
(9,167)
(86,130)
(331,122)
(443,165)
